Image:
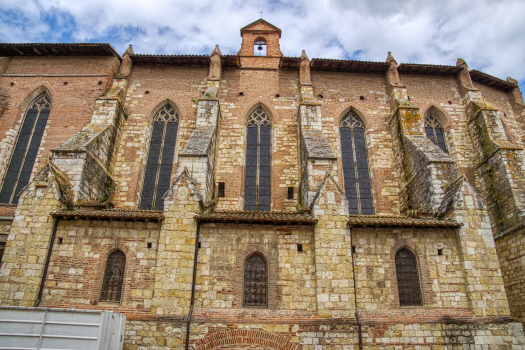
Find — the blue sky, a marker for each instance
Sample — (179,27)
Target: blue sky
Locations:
(488,34)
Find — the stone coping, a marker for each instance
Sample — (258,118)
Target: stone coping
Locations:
(110,214)
(387,221)
(257,217)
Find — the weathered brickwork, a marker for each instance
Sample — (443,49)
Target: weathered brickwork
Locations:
(330,280)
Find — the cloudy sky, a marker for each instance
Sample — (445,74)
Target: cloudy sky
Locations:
(488,34)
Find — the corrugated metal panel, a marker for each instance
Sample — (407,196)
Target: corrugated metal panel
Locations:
(41,328)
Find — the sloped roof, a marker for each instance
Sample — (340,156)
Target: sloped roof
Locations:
(259,26)
(66,49)
(387,221)
(257,217)
(111,214)
(489,80)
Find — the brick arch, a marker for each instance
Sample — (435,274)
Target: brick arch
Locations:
(424,275)
(260,338)
(343,111)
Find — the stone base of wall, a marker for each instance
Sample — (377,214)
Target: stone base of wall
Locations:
(164,334)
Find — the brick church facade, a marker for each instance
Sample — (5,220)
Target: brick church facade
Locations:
(264,202)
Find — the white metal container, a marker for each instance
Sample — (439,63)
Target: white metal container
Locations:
(30,328)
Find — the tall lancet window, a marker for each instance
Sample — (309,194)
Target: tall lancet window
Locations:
(113,277)
(434,132)
(355,165)
(160,158)
(408,278)
(26,149)
(257,190)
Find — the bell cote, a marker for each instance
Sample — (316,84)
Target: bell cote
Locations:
(260,37)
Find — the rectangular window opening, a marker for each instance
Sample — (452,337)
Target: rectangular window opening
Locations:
(299,247)
(221,191)
(59,240)
(150,244)
(354,250)
(199,245)
(440,251)
(290,192)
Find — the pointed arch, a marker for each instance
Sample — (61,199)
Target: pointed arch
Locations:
(434,130)
(356,172)
(157,176)
(255,281)
(408,278)
(26,148)
(257,184)
(42,89)
(113,277)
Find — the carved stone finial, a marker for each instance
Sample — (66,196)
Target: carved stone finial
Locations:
(216,51)
(304,57)
(129,50)
(512,81)
(390,58)
(461,62)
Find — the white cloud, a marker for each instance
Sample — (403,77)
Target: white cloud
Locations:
(487,34)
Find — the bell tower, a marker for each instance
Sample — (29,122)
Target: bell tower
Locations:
(258,35)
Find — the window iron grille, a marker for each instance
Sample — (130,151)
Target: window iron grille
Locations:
(26,149)
(408,279)
(435,132)
(255,281)
(160,158)
(113,277)
(355,165)
(257,190)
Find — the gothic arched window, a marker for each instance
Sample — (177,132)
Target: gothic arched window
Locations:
(113,277)
(355,165)
(26,149)
(408,278)
(160,158)
(257,189)
(434,132)
(256,281)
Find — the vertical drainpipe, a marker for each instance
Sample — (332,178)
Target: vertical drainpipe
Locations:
(355,296)
(48,259)
(192,300)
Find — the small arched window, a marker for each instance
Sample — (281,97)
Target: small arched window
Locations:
(26,148)
(257,190)
(408,278)
(160,158)
(256,281)
(113,277)
(355,165)
(259,48)
(435,133)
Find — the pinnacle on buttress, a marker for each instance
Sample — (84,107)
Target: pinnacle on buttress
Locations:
(304,57)
(390,58)
(512,81)
(461,62)
(129,50)
(216,51)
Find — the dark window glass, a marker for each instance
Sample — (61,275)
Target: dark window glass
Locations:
(355,166)
(113,277)
(26,148)
(408,278)
(435,133)
(255,281)
(257,190)
(160,159)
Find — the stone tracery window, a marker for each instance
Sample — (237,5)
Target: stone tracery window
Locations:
(257,190)
(113,277)
(26,149)
(435,133)
(355,165)
(408,278)
(256,281)
(160,158)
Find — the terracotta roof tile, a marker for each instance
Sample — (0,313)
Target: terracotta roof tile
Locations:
(427,69)
(245,216)
(117,214)
(490,80)
(375,220)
